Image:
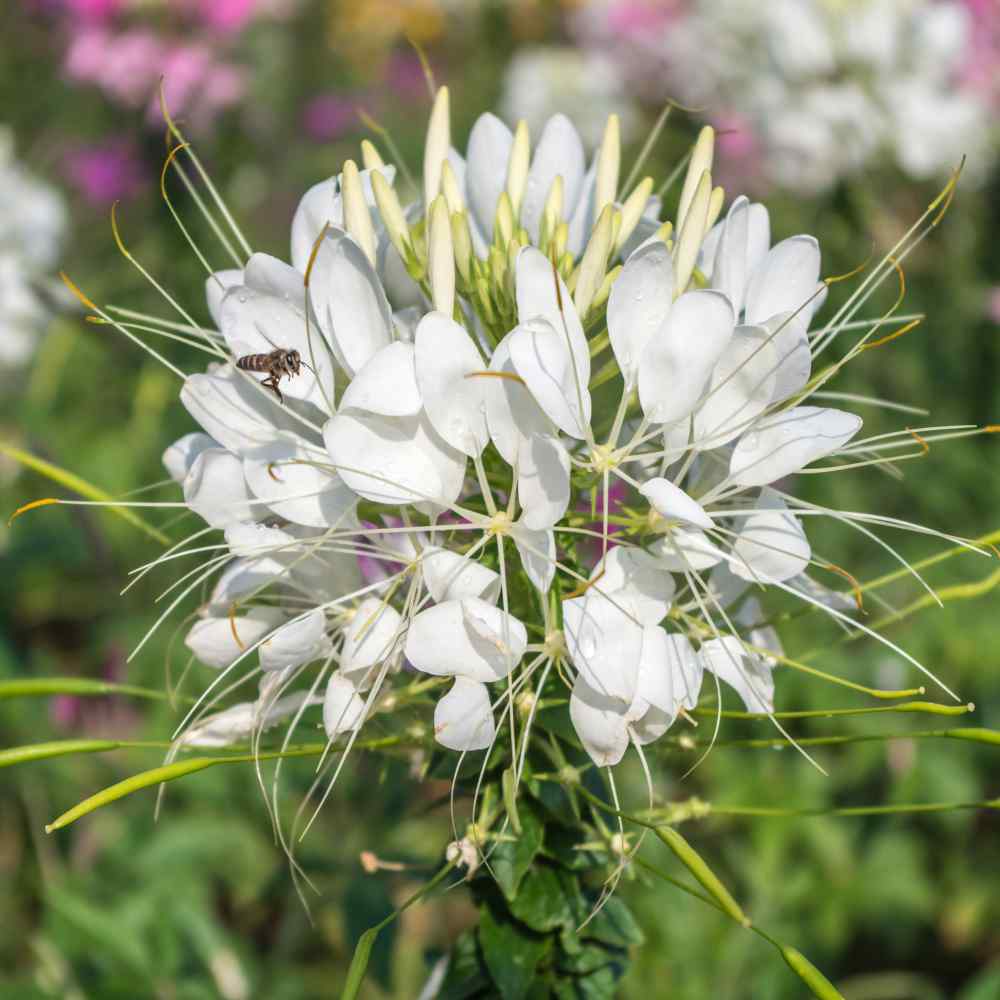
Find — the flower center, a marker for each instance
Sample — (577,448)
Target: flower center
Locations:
(604,458)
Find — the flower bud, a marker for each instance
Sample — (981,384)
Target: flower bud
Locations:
(595,258)
(503,224)
(441,257)
(701,160)
(391,212)
(357,219)
(370,156)
(608,162)
(715,207)
(517,166)
(691,234)
(461,240)
(437,145)
(449,188)
(632,211)
(551,213)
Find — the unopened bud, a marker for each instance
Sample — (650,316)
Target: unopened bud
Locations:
(503,224)
(691,234)
(391,212)
(357,218)
(370,156)
(437,145)
(517,166)
(632,211)
(461,240)
(595,259)
(441,257)
(715,207)
(449,188)
(701,160)
(608,163)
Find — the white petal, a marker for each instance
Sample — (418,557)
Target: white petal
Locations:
(740,389)
(450,576)
(537,550)
(790,343)
(600,723)
(369,638)
(322,572)
(448,462)
(243,576)
(218,642)
(455,404)
(466,638)
(684,549)
(785,280)
(686,671)
(674,504)
(638,305)
(216,286)
(512,414)
(746,674)
(386,384)
(651,725)
(270,276)
(486,169)
(679,359)
(298,642)
(232,411)
(349,302)
(180,456)
(555,378)
(463,718)
(343,707)
(730,274)
(380,457)
(543,481)
(771,545)
(215,489)
(581,218)
(240,721)
(298,484)
(656,674)
(559,152)
(535,285)
(320,205)
(786,442)
(637,576)
(604,641)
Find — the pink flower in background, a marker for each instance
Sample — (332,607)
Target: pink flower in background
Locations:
(993,303)
(105,172)
(404,76)
(328,116)
(633,19)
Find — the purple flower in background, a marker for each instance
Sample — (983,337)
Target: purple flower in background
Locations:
(105,172)
(328,116)
(404,76)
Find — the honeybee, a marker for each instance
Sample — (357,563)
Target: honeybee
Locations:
(276,363)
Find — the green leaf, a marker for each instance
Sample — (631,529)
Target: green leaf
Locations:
(467,975)
(44,687)
(818,984)
(367,902)
(614,925)
(512,857)
(601,984)
(511,952)
(58,748)
(542,903)
(78,485)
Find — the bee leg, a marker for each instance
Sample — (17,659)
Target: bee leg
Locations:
(272,383)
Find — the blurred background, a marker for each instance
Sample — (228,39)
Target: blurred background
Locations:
(845,115)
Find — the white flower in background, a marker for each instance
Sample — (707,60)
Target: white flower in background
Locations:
(585,86)
(811,91)
(425,514)
(34,227)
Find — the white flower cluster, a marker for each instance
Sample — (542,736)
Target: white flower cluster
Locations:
(34,226)
(565,469)
(814,89)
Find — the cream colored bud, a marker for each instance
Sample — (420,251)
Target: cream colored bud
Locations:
(449,188)
(592,267)
(691,234)
(391,213)
(665,233)
(370,156)
(437,145)
(632,211)
(357,218)
(503,224)
(552,212)
(609,160)
(441,257)
(461,240)
(498,266)
(715,207)
(605,290)
(560,240)
(517,166)
(701,160)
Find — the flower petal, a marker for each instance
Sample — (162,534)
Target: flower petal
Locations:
(297,484)
(369,638)
(559,152)
(215,489)
(537,550)
(180,456)
(640,300)
(450,576)
(543,481)
(638,577)
(771,547)
(541,357)
(216,286)
(466,638)
(784,281)
(386,384)
(600,723)
(487,154)
(218,642)
(745,673)
(686,550)
(679,359)
(298,642)
(463,718)
(786,442)
(456,405)
(343,707)
(604,640)
(349,302)
(674,504)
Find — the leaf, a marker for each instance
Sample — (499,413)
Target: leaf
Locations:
(511,952)
(541,902)
(366,902)
(78,485)
(984,986)
(467,975)
(57,748)
(601,984)
(614,925)
(512,857)
(44,687)
(818,984)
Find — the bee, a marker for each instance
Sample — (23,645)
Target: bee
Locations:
(277,363)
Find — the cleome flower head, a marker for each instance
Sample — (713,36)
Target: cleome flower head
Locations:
(561,471)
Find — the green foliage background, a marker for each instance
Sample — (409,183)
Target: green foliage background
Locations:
(201,904)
